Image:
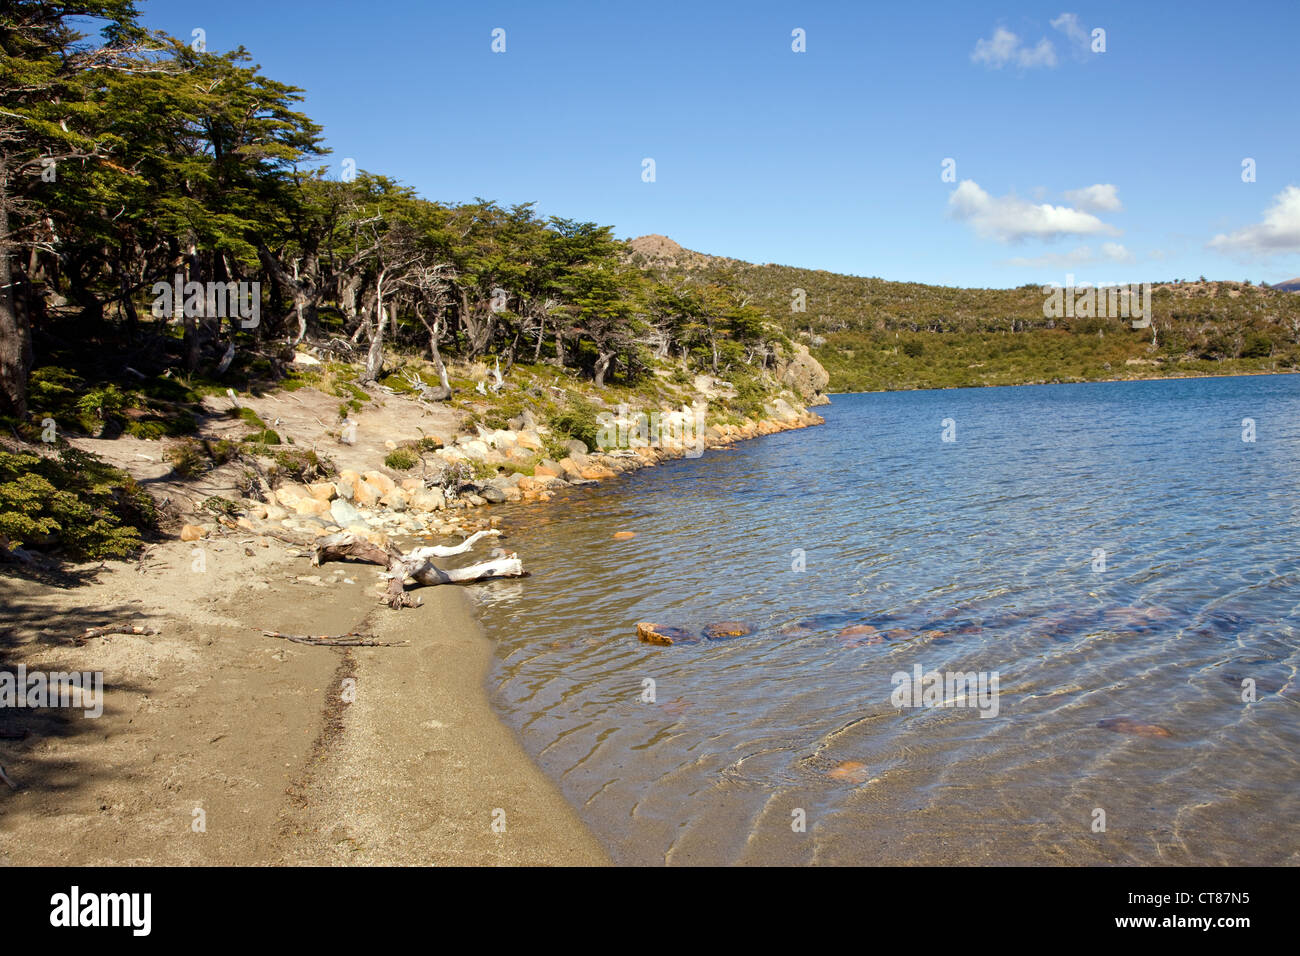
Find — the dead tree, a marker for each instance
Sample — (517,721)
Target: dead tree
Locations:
(415,565)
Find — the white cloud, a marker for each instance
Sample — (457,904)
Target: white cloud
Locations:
(1278,233)
(1068,23)
(1115,252)
(1005,47)
(1009,218)
(1102,197)
(1082,256)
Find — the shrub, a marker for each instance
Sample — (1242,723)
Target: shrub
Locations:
(401,459)
(73,503)
(577,420)
(187,459)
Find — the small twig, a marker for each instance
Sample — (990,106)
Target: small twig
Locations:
(123,628)
(351,639)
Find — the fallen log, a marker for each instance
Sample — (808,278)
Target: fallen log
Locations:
(125,627)
(415,565)
(351,639)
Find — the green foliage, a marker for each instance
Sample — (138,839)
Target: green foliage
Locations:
(74,503)
(401,459)
(577,420)
(188,459)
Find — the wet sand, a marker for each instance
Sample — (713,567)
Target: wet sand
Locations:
(219,745)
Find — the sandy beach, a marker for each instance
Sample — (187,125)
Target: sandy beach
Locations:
(219,745)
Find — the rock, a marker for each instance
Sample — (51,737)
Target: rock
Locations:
(547,469)
(624,535)
(395,500)
(1127,725)
(367,496)
(859,634)
(850,771)
(529,440)
(493,494)
(595,472)
(322,490)
(575,447)
(476,501)
(377,538)
(474,448)
(192,532)
(801,372)
(430,499)
(411,485)
(570,469)
(649,634)
(311,506)
(528,485)
(725,629)
(344,514)
(276,513)
(290,494)
(380,482)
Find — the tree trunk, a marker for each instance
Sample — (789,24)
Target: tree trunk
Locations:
(15,333)
(602,366)
(375,356)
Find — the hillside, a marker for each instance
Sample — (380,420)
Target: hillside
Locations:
(872,333)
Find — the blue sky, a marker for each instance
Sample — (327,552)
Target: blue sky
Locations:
(1117,166)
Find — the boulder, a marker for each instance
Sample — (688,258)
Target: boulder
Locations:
(367,496)
(312,506)
(801,372)
(547,469)
(493,494)
(529,440)
(429,499)
(576,447)
(322,490)
(395,500)
(344,514)
(192,532)
(380,482)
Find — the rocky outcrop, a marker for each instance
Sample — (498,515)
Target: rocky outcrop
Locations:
(798,370)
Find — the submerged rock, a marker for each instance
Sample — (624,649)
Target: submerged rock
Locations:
(1127,725)
(725,629)
(859,635)
(662,634)
(850,771)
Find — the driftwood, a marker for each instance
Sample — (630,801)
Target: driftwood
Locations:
(415,564)
(126,627)
(351,639)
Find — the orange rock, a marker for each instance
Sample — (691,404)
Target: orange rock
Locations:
(647,634)
(860,634)
(543,470)
(850,771)
(596,473)
(366,495)
(322,490)
(527,484)
(192,532)
(624,535)
(311,506)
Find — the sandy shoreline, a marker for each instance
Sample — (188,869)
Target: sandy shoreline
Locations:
(219,745)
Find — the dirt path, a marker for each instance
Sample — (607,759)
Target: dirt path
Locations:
(218,745)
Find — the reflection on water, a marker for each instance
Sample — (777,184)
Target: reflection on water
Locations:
(1120,690)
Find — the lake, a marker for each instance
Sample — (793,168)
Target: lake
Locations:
(1113,568)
